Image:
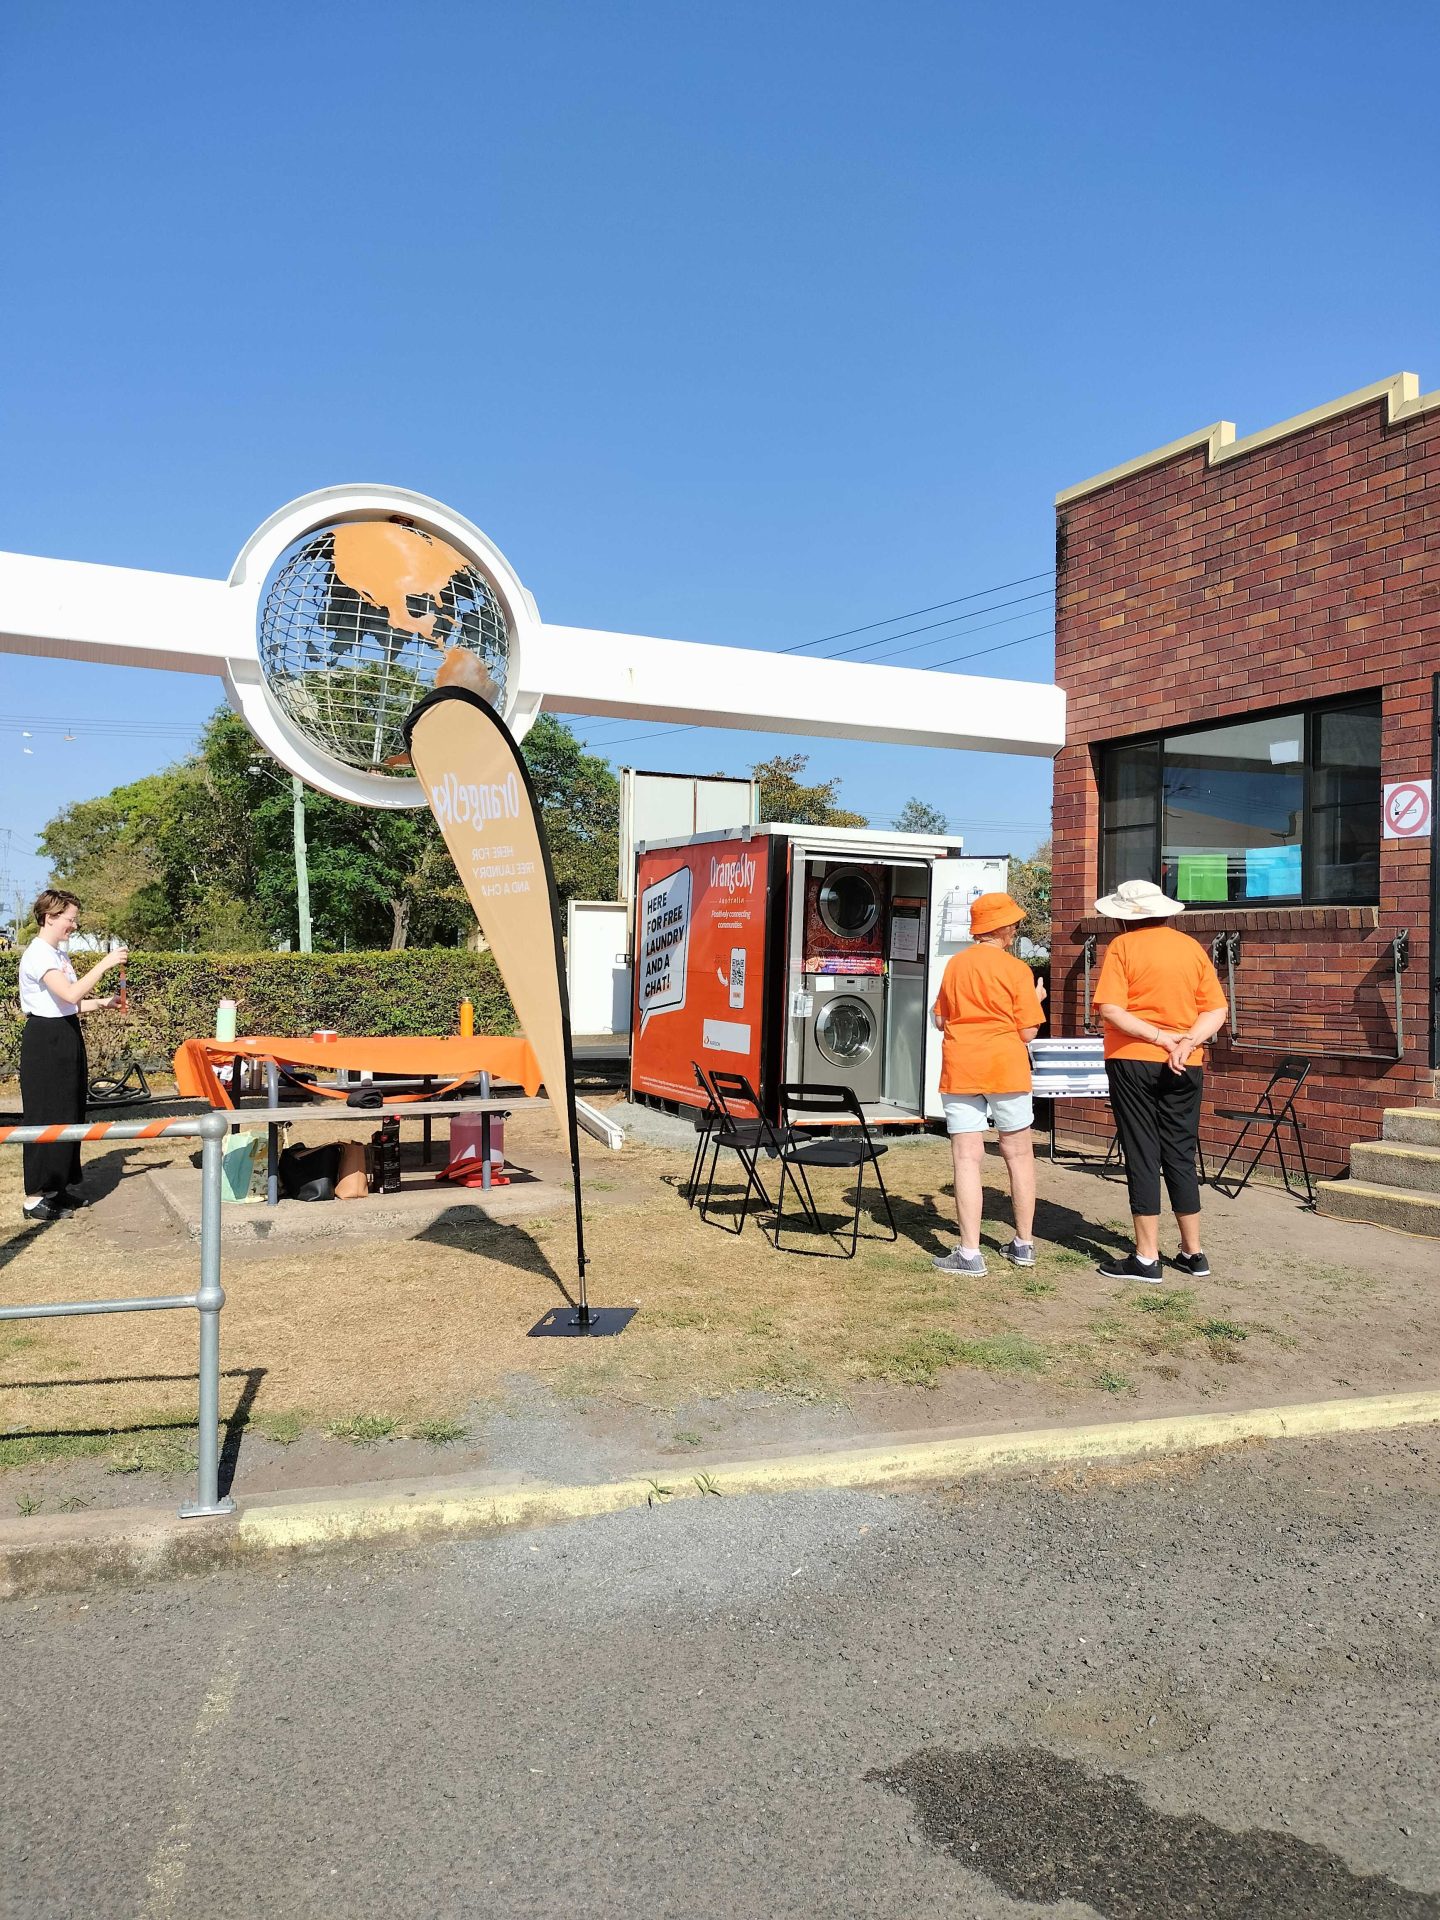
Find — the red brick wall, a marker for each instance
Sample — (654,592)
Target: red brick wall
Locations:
(1185,594)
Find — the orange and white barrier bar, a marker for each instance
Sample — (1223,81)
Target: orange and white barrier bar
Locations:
(210,1129)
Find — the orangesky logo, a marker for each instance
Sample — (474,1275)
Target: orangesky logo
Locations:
(455,803)
(735,876)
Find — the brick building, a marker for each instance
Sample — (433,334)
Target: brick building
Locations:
(1248,631)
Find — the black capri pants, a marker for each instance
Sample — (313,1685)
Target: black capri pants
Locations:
(1157,1115)
(53,1089)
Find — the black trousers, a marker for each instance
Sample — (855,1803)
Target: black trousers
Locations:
(53,1087)
(1157,1115)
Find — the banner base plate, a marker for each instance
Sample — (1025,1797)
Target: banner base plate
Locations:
(564,1323)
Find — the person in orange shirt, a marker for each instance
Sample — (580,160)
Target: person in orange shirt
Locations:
(988,1008)
(1161,1000)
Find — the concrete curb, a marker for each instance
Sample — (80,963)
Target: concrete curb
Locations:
(51,1554)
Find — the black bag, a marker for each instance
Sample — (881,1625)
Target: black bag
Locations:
(310,1173)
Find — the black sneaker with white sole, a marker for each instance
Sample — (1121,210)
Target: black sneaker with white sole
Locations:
(1195,1264)
(45,1209)
(1132,1267)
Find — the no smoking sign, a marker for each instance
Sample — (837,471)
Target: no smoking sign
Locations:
(1407,810)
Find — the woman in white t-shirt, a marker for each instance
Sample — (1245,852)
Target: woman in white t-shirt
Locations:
(53,1078)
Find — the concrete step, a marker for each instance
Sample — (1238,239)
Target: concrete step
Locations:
(1418,1125)
(1395,1163)
(1381,1206)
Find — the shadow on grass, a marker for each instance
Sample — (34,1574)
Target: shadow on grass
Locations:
(102,1173)
(465,1230)
(234,1424)
(99,1176)
(1060,1226)
(1057,1226)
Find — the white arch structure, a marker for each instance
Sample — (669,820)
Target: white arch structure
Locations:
(71,610)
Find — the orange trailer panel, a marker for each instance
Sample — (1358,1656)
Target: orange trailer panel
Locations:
(701,915)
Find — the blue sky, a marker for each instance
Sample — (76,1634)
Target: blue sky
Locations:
(745,324)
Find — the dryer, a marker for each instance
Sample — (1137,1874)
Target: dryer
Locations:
(843,1039)
(845,917)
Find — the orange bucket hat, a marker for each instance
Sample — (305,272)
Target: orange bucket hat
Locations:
(992,911)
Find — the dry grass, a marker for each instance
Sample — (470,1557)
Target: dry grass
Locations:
(418,1336)
(348,1335)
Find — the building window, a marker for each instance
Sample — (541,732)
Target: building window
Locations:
(1280,809)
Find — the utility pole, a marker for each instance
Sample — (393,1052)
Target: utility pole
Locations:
(302,868)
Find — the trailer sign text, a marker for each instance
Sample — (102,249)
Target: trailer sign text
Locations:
(664,943)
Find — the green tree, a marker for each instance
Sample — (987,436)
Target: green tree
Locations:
(784,796)
(202,854)
(377,878)
(579,800)
(93,849)
(918,816)
(1030,888)
(157,863)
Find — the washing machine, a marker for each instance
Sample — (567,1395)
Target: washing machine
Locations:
(845,918)
(843,1041)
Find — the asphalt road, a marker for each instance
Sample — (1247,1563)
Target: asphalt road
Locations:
(1200,1689)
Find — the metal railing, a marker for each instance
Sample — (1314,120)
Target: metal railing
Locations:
(1087,955)
(1225,952)
(210,1129)
(1304,1030)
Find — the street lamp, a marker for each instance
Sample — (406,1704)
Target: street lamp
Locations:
(302,866)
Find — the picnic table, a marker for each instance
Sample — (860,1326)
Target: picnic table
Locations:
(412,1066)
(276,1117)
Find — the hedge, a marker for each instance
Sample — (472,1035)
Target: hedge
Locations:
(173,997)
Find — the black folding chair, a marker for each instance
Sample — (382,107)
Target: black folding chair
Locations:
(1272,1113)
(822,1103)
(746,1135)
(707,1118)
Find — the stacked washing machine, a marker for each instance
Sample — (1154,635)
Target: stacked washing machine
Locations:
(843,1040)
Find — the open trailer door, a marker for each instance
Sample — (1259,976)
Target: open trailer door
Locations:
(953,885)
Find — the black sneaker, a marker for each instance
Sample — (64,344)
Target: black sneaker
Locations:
(45,1209)
(72,1201)
(1132,1267)
(1195,1264)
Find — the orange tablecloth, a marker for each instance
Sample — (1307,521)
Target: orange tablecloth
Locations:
(447,1058)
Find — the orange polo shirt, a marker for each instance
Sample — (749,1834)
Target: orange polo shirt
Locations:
(985,997)
(1160,975)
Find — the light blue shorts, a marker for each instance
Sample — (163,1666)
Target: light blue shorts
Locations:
(974,1112)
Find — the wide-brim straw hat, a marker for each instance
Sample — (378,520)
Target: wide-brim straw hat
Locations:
(1138,900)
(991,911)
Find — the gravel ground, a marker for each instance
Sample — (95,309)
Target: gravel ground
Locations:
(1204,1687)
(650,1126)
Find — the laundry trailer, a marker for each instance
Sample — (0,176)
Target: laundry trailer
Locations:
(799,953)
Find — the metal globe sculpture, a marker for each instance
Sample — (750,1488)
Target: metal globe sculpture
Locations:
(360,620)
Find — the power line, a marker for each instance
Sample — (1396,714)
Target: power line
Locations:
(953,621)
(140,729)
(627,738)
(935,666)
(980,593)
